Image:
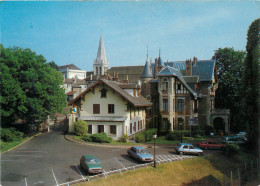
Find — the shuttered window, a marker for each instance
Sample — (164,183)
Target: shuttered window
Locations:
(96,108)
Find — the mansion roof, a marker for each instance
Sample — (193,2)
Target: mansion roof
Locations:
(138,101)
(70,66)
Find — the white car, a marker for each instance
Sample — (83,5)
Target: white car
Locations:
(186,148)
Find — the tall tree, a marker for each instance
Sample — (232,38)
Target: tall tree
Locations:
(251,83)
(229,70)
(30,88)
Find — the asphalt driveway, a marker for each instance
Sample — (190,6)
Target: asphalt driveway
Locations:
(50,159)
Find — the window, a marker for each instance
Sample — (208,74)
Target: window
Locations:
(113,129)
(138,125)
(89,129)
(141,125)
(111,109)
(165,85)
(191,147)
(180,105)
(103,93)
(135,127)
(165,104)
(179,86)
(131,126)
(185,147)
(96,108)
(100,128)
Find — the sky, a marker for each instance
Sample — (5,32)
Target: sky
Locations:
(69,31)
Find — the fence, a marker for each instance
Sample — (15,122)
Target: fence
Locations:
(105,174)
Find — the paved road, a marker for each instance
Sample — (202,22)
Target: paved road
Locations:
(50,159)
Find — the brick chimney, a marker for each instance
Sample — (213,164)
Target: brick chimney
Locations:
(188,69)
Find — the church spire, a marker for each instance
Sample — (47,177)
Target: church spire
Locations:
(101,55)
(101,63)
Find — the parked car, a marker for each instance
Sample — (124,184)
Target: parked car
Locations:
(90,164)
(232,140)
(140,154)
(240,137)
(210,144)
(186,148)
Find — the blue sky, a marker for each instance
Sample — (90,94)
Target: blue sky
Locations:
(69,32)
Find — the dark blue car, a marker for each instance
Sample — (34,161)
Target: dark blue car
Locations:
(140,154)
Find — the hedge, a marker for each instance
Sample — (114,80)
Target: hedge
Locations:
(11,134)
(100,138)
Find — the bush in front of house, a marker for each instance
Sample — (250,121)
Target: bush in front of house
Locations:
(81,127)
(86,137)
(11,134)
(100,138)
(140,138)
(124,138)
(149,134)
(230,149)
(173,136)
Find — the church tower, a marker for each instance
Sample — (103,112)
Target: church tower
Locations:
(101,63)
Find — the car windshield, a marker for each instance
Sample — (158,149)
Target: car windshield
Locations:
(143,151)
(92,161)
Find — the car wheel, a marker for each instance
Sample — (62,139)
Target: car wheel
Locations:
(199,154)
(181,153)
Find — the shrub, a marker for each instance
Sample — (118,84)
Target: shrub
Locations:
(140,138)
(11,134)
(81,127)
(174,136)
(100,138)
(230,149)
(86,137)
(149,134)
(124,138)
(208,129)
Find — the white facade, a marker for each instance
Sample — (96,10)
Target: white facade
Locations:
(71,73)
(125,119)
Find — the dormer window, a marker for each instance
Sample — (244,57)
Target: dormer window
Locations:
(103,93)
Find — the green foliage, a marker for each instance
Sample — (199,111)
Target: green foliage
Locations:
(140,138)
(100,138)
(11,134)
(229,71)
(176,135)
(124,138)
(81,127)
(30,89)
(53,65)
(149,134)
(230,149)
(86,137)
(251,85)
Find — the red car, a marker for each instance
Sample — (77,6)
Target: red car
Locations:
(210,144)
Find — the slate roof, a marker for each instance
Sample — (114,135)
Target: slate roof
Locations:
(147,73)
(203,68)
(72,81)
(71,93)
(139,101)
(191,79)
(170,71)
(70,66)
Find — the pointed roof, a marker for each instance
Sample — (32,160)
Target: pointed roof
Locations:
(101,55)
(170,71)
(147,73)
(160,62)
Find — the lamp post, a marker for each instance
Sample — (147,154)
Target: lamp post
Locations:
(154,137)
(181,131)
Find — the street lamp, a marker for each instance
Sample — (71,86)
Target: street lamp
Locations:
(181,131)
(154,137)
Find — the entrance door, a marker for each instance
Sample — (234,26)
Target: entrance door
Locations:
(100,128)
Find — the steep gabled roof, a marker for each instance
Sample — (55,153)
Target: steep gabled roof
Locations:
(139,101)
(170,71)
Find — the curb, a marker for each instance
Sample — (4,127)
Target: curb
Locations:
(22,143)
(71,139)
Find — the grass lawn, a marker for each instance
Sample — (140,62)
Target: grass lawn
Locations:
(204,170)
(6,146)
